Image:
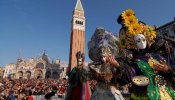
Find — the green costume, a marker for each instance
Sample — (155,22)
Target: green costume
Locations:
(153,87)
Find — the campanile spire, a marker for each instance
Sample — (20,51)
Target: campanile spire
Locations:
(77,42)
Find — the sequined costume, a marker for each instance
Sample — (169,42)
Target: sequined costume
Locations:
(139,37)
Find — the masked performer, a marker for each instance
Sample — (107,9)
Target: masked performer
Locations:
(139,37)
(103,48)
(78,88)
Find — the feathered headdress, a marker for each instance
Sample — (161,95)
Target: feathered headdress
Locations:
(131,26)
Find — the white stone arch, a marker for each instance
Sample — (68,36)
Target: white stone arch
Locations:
(48,74)
(38,73)
(20,74)
(28,74)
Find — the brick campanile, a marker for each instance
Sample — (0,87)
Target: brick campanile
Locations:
(77,42)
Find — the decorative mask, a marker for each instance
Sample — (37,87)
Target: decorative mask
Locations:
(80,58)
(104,58)
(140,41)
(80,61)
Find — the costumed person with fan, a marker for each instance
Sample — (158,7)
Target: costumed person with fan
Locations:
(78,88)
(152,70)
(103,48)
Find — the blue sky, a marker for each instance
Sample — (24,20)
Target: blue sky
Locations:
(28,27)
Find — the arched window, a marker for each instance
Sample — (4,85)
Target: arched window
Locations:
(28,74)
(79,22)
(48,74)
(38,74)
(20,74)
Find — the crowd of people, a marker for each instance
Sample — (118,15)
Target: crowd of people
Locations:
(24,88)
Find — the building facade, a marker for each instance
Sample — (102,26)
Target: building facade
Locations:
(10,70)
(1,72)
(37,68)
(77,42)
(166,40)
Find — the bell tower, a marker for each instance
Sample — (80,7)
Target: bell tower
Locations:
(77,42)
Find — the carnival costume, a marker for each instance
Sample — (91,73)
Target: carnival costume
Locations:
(139,37)
(103,47)
(78,89)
